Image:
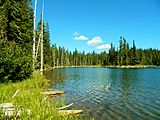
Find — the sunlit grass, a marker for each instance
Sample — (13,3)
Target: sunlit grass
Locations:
(29,98)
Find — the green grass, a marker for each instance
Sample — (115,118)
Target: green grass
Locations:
(30,97)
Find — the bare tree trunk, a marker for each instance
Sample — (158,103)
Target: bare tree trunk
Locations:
(38,47)
(42,39)
(34,34)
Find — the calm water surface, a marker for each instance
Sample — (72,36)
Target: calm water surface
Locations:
(111,94)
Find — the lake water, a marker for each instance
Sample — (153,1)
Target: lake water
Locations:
(111,94)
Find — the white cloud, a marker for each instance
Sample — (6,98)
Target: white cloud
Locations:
(81,37)
(102,47)
(75,34)
(95,41)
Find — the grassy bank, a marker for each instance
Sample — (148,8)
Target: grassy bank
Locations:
(30,97)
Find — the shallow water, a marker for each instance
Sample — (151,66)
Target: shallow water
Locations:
(111,94)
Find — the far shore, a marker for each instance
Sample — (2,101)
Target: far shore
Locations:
(129,66)
(99,66)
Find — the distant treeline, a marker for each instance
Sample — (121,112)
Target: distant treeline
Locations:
(123,55)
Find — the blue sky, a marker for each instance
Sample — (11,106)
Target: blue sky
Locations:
(94,24)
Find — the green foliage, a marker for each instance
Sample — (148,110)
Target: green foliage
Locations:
(112,55)
(16,21)
(16,27)
(15,62)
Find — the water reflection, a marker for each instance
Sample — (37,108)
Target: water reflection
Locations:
(55,76)
(129,80)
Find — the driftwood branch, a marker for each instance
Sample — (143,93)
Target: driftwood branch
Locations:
(17,91)
(65,106)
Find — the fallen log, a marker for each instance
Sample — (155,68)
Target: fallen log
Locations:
(70,112)
(53,92)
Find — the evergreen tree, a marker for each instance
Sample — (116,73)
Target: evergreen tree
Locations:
(46,46)
(112,55)
(16,22)
(117,57)
(53,49)
(133,60)
(16,27)
(121,51)
(125,52)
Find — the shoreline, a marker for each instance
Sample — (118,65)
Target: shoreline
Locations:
(98,66)
(128,66)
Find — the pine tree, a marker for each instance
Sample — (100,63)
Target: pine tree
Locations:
(16,27)
(46,46)
(112,55)
(121,51)
(16,22)
(53,48)
(133,60)
(125,52)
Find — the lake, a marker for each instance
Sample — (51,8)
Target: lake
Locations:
(111,93)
